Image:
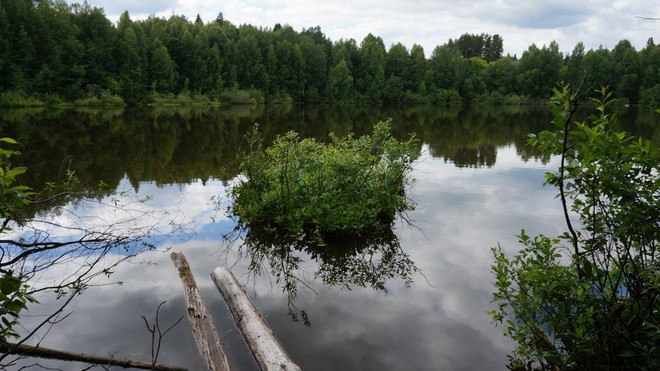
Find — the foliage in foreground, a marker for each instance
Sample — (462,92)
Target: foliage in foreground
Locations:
(346,187)
(589,299)
(13,197)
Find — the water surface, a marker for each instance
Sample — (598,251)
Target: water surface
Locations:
(478,184)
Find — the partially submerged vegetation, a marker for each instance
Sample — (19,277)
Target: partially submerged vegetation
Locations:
(303,187)
(336,202)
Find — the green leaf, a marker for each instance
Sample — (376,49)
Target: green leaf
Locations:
(15,306)
(8,140)
(588,269)
(627,354)
(9,284)
(21,188)
(11,174)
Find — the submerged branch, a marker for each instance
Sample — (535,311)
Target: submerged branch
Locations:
(40,352)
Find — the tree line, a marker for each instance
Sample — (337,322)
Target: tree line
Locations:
(53,52)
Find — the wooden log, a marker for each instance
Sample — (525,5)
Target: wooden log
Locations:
(41,352)
(266,349)
(206,335)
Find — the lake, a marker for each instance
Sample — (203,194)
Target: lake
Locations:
(477,185)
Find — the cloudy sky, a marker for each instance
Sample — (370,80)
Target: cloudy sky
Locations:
(429,22)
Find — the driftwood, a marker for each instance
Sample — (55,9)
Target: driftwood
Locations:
(206,335)
(40,352)
(266,349)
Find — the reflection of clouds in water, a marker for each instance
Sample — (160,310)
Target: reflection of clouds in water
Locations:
(465,212)
(367,329)
(444,325)
(189,205)
(404,329)
(107,318)
(165,210)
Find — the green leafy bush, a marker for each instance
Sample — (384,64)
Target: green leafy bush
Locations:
(235,96)
(589,299)
(447,96)
(301,186)
(13,295)
(19,99)
(105,98)
(650,96)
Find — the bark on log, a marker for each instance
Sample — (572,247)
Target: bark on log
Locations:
(266,349)
(40,352)
(206,335)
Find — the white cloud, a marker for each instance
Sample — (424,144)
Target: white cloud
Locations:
(428,23)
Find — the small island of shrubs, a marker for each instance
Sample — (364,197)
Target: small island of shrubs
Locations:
(302,187)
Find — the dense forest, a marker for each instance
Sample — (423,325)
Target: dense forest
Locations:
(52,52)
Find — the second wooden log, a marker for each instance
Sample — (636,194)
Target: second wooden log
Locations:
(266,349)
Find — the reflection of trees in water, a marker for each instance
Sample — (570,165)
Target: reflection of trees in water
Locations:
(482,155)
(169,145)
(368,260)
(469,137)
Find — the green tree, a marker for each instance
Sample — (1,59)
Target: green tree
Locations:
(132,74)
(417,70)
(500,76)
(251,72)
(290,65)
(446,70)
(315,71)
(161,69)
(598,67)
(97,37)
(5,38)
(20,54)
(397,68)
(473,84)
(469,45)
(625,61)
(317,52)
(589,299)
(23,56)
(650,85)
(340,83)
(493,48)
(397,61)
(575,66)
(220,35)
(204,66)
(473,87)
(347,50)
(370,75)
(539,70)
(59,67)
(483,46)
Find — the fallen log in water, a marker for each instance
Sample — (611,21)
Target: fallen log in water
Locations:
(41,352)
(206,335)
(266,349)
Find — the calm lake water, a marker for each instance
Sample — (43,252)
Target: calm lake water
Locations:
(477,185)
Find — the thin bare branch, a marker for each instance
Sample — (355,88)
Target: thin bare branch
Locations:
(82,357)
